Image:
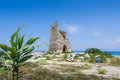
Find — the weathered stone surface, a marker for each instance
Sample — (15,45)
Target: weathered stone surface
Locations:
(58,40)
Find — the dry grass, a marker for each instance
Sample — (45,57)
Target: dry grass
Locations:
(35,71)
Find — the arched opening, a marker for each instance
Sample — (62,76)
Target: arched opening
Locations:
(64,48)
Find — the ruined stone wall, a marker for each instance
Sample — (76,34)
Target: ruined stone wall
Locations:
(58,40)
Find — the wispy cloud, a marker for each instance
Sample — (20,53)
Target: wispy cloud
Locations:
(72,29)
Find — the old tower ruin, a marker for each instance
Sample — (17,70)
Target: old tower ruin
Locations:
(58,40)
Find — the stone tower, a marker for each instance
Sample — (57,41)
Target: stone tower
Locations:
(58,40)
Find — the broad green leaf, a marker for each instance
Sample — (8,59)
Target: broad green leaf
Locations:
(13,44)
(5,47)
(23,48)
(27,52)
(15,34)
(1,53)
(21,41)
(18,53)
(25,58)
(31,40)
(7,55)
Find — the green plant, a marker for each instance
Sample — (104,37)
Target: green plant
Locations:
(86,66)
(101,71)
(93,51)
(48,52)
(78,72)
(114,61)
(42,62)
(18,52)
(107,55)
(45,74)
(67,77)
(30,64)
(49,57)
(36,57)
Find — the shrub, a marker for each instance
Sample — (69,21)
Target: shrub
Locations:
(107,54)
(93,51)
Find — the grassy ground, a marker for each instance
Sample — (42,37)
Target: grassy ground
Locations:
(42,70)
(38,71)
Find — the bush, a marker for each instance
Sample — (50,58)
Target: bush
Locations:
(93,51)
(107,55)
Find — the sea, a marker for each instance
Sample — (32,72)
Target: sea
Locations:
(114,53)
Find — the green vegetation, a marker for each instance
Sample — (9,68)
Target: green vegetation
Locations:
(30,64)
(101,71)
(34,71)
(49,57)
(18,52)
(37,57)
(42,62)
(94,53)
(48,52)
(115,61)
(86,66)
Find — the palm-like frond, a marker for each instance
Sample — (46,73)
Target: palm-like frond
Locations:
(18,53)
(4,47)
(31,40)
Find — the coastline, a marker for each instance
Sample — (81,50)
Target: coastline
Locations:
(113,53)
(117,56)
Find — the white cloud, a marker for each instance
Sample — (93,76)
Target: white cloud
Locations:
(72,29)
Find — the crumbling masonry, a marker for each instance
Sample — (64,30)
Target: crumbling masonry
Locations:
(58,40)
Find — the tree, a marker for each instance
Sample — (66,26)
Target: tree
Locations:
(18,51)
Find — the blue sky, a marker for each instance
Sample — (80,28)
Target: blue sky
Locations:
(88,23)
